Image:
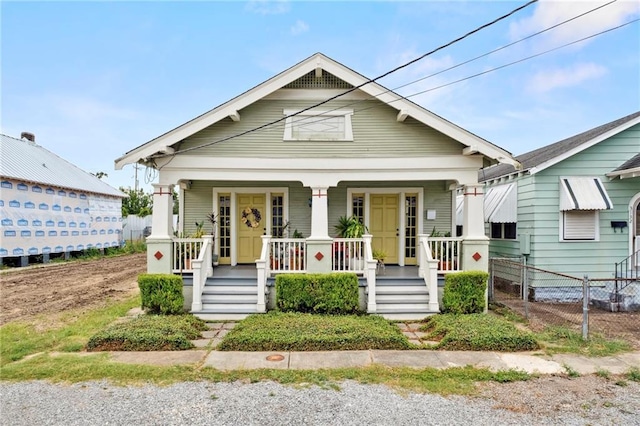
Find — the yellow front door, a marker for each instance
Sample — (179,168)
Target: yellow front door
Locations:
(383,225)
(251,226)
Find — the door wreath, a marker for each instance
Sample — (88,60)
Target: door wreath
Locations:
(251,217)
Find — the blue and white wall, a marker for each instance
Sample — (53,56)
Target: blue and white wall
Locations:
(37,219)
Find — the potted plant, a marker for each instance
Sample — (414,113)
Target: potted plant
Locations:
(296,252)
(352,227)
(379,255)
(213,219)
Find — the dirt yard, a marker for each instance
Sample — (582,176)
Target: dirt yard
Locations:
(56,288)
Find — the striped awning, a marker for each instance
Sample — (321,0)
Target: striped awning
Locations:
(583,193)
(501,204)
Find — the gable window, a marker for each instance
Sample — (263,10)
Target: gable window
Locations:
(504,231)
(580,225)
(318,125)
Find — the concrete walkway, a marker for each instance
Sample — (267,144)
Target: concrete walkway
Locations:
(531,362)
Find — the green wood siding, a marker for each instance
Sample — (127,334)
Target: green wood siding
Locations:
(376,133)
(539,211)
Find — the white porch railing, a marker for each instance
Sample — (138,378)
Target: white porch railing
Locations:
(348,255)
(185,250)
(429,271)
(447,251)
(200,265)
(287,255)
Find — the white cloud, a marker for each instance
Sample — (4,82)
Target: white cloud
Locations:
(548,80)
(551,12)
(266,7)
(299,27)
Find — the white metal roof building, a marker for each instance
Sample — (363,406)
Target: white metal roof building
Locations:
(48,205)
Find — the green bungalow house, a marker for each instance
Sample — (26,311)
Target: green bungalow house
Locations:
(281,163)
(574,208)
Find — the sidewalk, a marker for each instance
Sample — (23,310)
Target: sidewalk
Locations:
(531,362)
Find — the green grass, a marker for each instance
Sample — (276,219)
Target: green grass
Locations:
(307,332)
(477,332)
(71,368)
(70,335)
(556,339)
(149,333)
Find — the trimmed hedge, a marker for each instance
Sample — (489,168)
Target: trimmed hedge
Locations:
(317,293)
(161,293)
(477,332)
(149,333)
(464,292)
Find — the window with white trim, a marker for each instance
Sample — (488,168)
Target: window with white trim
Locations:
(318,125)
(580,225)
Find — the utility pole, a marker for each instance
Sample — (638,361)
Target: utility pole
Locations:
(135,166)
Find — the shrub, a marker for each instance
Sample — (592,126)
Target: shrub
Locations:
(317,293)
(477,332)
(149,333)
(292,331)
(161,293)
(464,292)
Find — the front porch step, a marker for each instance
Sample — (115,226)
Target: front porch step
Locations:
(406,316)
(405,298)
(215,315)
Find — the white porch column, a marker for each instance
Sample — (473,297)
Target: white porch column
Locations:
(319,243)
(160,242)
(475,245)
(319,213)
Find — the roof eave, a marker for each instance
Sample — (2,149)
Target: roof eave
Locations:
(624,174)
(165,141)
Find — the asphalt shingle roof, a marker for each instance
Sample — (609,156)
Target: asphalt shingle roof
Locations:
(632,163)
(542,155)
(26,161)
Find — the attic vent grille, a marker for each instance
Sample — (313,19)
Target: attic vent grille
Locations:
(327,81)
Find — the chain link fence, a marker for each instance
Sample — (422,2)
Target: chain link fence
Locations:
(610,307)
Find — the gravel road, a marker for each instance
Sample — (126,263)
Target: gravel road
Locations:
(268,403)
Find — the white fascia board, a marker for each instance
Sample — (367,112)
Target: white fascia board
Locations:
(625,174)
(582,147)
(311,64)
(453,162)
(213,116)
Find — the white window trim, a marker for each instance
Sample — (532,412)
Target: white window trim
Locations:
(502,231)
(346,113)
(596,229)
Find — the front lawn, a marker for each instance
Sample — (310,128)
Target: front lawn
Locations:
(477,332)
(278,331)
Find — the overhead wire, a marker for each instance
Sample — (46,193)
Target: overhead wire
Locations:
(419,58)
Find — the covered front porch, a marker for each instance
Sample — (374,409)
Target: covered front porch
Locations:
(254,224)
(233,292)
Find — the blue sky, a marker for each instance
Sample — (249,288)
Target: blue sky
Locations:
(93,80)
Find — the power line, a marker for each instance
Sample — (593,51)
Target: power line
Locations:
(437,49)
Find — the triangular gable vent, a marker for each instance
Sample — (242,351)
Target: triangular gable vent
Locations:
(326,81)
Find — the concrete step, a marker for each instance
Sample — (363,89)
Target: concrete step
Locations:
(230,298)
(401,298)
(402,307)
(235,306)
(411,290)
(407,316)
(220,316)
(228,289)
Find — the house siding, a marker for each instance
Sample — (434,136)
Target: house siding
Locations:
(539,211)
(198,202)
(376,133)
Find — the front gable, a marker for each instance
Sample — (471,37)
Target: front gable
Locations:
(253,123)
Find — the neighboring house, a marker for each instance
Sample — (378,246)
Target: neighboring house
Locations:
(271,162)
(574,208)
(48,205)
